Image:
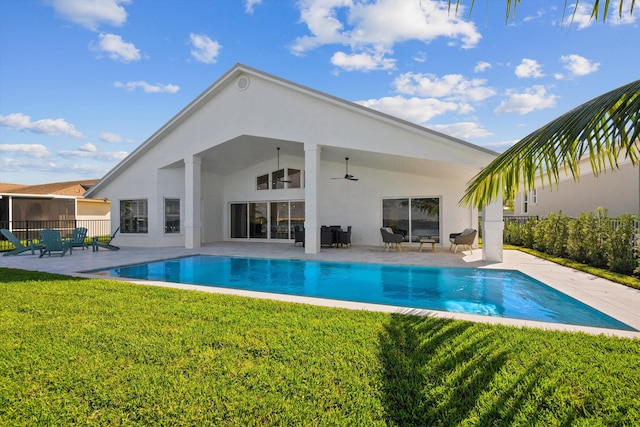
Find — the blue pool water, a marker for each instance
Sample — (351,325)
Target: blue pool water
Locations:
(501,293)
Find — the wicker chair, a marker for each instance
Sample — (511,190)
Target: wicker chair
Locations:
(464,238)
(390,238)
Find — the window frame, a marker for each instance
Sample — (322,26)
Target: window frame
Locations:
(139,220)
(174,215)
(411,218)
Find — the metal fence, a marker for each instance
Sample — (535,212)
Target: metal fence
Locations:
(30,230)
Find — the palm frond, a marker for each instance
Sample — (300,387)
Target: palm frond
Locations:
(604,128)
(595,8)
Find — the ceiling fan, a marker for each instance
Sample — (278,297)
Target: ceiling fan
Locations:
(279,179)
(346,175)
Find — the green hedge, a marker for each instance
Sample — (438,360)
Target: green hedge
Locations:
(593,239)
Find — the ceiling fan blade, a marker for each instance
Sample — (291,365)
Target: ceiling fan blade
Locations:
(346,175)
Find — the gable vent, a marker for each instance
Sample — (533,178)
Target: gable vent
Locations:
(242,83)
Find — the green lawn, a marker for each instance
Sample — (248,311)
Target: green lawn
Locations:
(100,352)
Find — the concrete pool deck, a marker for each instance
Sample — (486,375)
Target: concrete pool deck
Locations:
(618,301)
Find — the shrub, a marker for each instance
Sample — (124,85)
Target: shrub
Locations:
(577,247)
(513,233)
(598,229)
(620,246)
(550,236)
(528,232)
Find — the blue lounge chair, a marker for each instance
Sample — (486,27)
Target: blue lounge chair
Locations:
(107,245)
(19,247)
(52,242)
(78,238)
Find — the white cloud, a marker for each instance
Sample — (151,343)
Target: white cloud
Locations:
(14,165)
(111,137)
(481,67)
(452,87)
(362,61)
(147,87)
(627,18)
(500,145)
(378,25)
(539,14)
(19,121)
(31,150)
(534,98)
(416,110)
(204,49)
(116,48)
(580,15)
(91,13)
(579,65)
(463,130)
(88,147)
(529,68)
(90,151)
(249,5)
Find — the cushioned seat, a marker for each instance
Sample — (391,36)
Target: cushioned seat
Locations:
(464,238)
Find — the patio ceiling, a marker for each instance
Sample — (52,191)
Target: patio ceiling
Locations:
(246,151)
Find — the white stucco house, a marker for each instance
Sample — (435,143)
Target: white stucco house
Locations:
(616,190)
(255,156)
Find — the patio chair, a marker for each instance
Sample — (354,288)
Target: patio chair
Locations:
(464,238)
(96,243)
(52,242)
(19,247)
(344,237)
(326,236)
(298,235)
(78,238)
(390,238)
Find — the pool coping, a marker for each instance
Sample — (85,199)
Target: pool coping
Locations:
(615,300)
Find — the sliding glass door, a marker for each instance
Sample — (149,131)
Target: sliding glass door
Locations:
(413,217)
(266,220)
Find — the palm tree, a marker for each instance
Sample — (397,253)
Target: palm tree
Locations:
(604,128)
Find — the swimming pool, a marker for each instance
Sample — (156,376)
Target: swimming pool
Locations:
(500,293)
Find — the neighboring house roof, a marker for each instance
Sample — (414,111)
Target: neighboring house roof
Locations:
(239,70)
(69,188)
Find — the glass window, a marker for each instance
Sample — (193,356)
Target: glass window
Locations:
(134,217)
(258,220)
(172,215)
(276,179)
(280,220)
(296,216)
(425,218)
(250,220)
(262,182)
(395,214)
(294,176)
(525,203)
(413,217)
(239,221)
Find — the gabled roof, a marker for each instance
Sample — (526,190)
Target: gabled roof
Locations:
(240,69)
(69,188)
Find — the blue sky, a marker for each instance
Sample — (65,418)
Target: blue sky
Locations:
(84,82)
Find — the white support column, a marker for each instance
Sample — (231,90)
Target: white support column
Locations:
(492,230)
(192,196)
(312,169)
